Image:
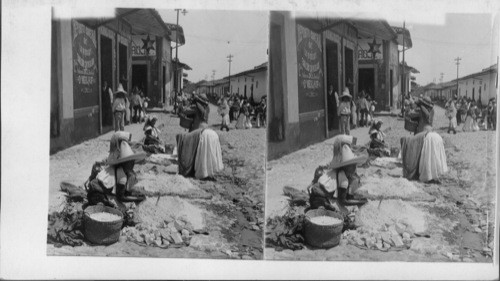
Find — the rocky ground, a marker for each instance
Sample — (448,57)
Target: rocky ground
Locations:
(458,214)
(183,218)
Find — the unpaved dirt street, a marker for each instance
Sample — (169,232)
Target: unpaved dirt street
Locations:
(229,211)
(460,218)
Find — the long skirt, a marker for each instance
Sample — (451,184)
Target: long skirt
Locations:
(469,124)
(453,123)
(242,120)
(208,159)
(432,158)
(225,120)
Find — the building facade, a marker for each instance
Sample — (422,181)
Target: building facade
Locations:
(89,53)
(307,56)
(480,86)
(251,83)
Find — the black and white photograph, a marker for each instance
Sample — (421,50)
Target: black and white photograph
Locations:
(382,138)
(249,140)
(157,134)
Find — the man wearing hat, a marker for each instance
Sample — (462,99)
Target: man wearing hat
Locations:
(423,114)
(117,176)
(344,111)
(334,185)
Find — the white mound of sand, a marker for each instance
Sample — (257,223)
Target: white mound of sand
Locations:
(386,162)
(387,187)
(169,208)
(371,216)
(165,184)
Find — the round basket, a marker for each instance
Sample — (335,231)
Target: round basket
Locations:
(322,236)
(102,232)
(185,122)
(410,125)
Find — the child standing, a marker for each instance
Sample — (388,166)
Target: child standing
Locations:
(119,108)
(344,112)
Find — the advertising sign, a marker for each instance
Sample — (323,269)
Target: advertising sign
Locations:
(310,70)
(85,76)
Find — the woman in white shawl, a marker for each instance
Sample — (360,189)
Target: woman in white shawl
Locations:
(451,113)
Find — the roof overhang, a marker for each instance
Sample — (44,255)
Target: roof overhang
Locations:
(373,28)
(142,21)
(180,65)
(403,37)
(367,28)
(177,33)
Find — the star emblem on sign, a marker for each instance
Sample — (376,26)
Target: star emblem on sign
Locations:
(374,48)
(148,44)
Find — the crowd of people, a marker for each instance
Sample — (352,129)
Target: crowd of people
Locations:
(125,108)
(473,115)
(353,112)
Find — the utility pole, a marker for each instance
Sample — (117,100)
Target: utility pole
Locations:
(177,46)
(457,59)
(229,59)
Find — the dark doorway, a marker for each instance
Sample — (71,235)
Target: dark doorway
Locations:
(366,81)
(106,77)
(140,77)
(473,94)
(123,62)
(245,91)
(332,72)
(164,81)
(390,89)
(349,69)
(55,126)
(276,112)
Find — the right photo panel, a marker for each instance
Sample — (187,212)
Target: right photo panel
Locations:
(381,139)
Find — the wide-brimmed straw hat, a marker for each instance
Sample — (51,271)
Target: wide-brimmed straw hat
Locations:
(125,154)
(426,101)
(120,89)
(342,153)
(345,93)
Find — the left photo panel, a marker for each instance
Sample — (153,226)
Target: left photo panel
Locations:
(158,134)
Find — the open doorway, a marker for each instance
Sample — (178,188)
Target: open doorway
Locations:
(106,78)
(164,82)
(349,69)
(140,77)
(391,93)
(123,63)
(276,93)
(366,81)
(332,74)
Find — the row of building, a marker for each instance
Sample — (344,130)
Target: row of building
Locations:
(479,86)
(308,55)
(251,83)
(133,48)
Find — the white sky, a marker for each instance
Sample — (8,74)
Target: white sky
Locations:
(207,33)
(471,37)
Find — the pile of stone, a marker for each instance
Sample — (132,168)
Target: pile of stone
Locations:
(396,235)
(175,232)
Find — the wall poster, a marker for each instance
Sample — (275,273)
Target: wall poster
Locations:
(310,70)
(85,76)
